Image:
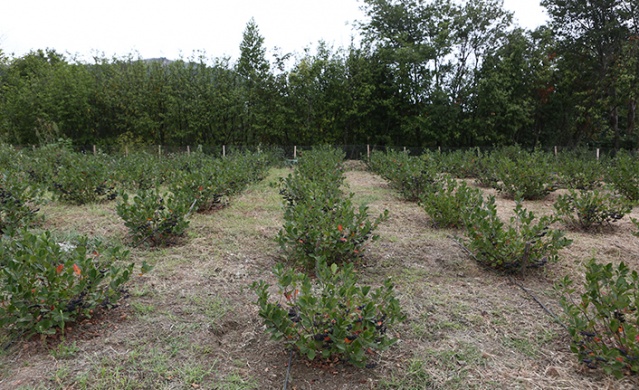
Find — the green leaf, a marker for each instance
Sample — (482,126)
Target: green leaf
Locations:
(311,354)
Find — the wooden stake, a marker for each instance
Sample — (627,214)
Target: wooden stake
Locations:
(188,150)
(294,152)
(368,152)
(223,150)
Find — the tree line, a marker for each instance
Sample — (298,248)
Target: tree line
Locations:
(426,73)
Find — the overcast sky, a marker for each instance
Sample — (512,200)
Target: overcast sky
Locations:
(171,28)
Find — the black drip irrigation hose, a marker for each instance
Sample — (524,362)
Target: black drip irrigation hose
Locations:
(288,369)
(547,310)
(511,280)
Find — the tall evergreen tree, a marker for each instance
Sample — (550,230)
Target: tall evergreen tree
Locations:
(254,71)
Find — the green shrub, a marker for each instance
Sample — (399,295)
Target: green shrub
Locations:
(213,181)
(590,209)
(526,175)
(487,174)
(43,287)
(242,169)
(140,171)
(82,179)
(462,164)
(18,200)
(410,176)
(580,172)
(449,202)
(623,175)
(515,246)
(296,188)
(207,182)
(604,322)
(10,158)
(330,316)
(72,178)
(326,227)
(158,219)
(44,163)
(322,164)
(318,220)
(319,173)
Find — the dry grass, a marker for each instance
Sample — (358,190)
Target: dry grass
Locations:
(192,322)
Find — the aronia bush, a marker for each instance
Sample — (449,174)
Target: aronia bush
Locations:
(449,202)
(525,242)
(602,317)
(330,316)
(44,286)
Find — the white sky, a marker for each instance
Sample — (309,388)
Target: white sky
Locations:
(174,28)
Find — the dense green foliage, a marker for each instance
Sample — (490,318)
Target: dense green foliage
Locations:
(44,286)
(411,176)
(449,202)
(426,73)
(319,220)
(331,316)
(18,202)
(153,217)
(591,209)
(197,183)
(603,321)
(623,175)
(210,182)
(521,174)
(525,241)
(580,171)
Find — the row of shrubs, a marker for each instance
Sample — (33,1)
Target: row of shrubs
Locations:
(525,241)
(158,214)
(589,204)
(534,174)
(154,195)
(604,321)
(327,314)
(514,171)
(46,281)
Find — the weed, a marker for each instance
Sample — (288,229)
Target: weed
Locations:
(64,351)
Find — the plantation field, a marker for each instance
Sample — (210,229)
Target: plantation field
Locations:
(192,321)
